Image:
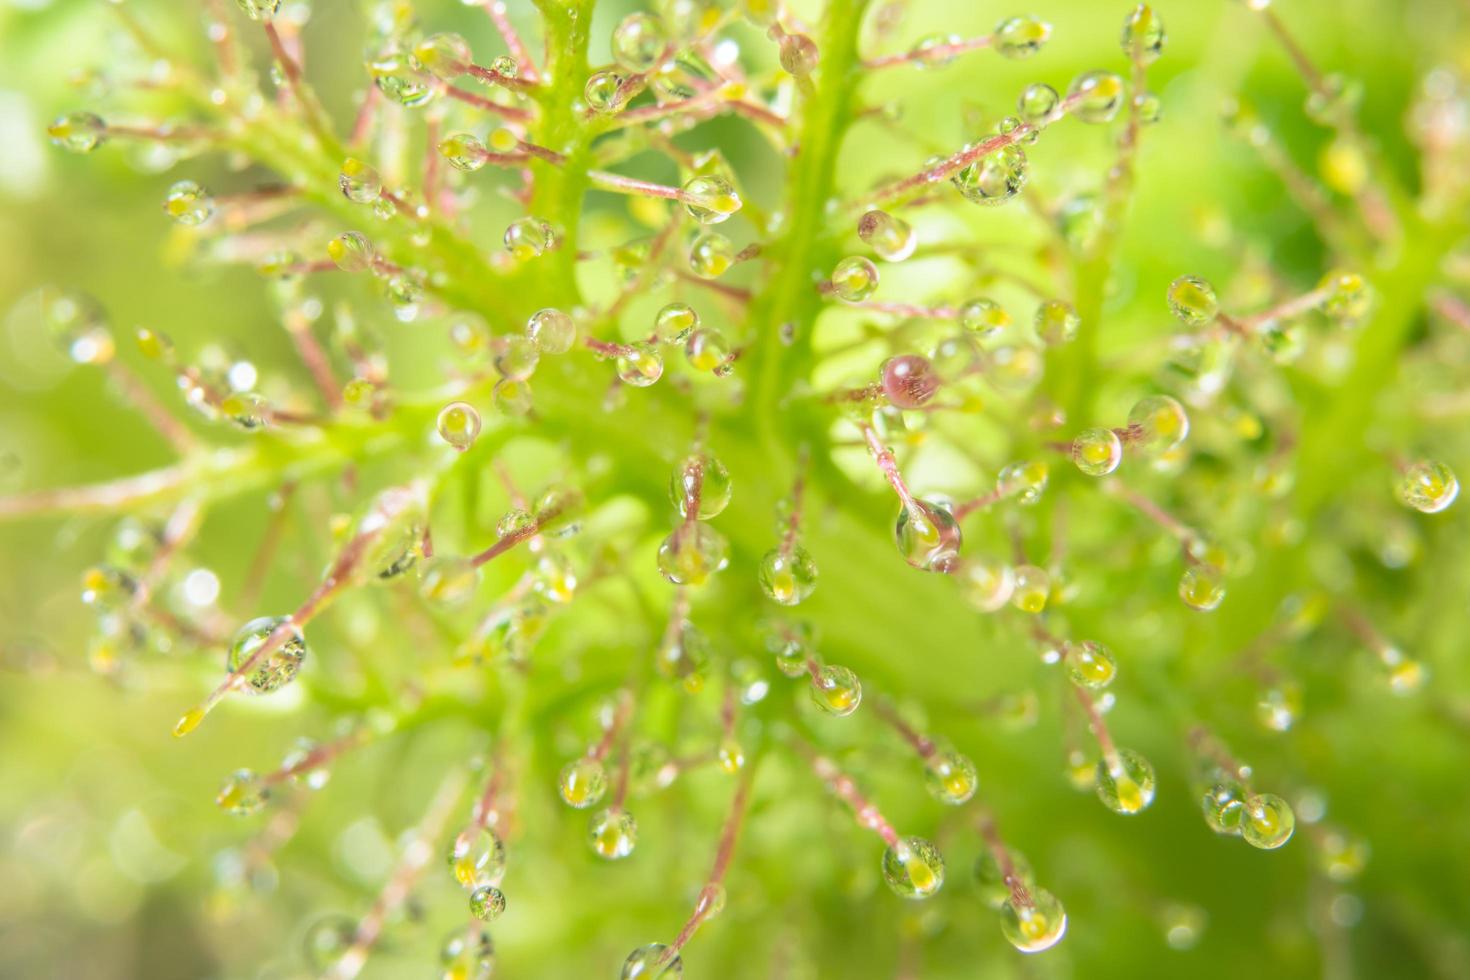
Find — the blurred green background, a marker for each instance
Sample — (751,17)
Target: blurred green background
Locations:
(116,863)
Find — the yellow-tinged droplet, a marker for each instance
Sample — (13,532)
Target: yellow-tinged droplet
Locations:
(189,721)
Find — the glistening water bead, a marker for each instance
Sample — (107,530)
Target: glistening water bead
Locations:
(854,279)
(994,178)
(463,151)
(242,794)
(1222,805)
(710,255)
(188,203)
(351,251)
(908,381)
(1157,424)
(1036,924)
(639,365)
(527,238)
(445,55)
(612,833)
(477,858)
(674,323)
(1090,664)
(653,962)
(1126,783)
(1266,821)
(1098,95)
(893,239)
(277,668)
(1193,302)
(1202,587)
(78,132)
(692,553)
(1143,34)
(950,777)
(458,424)
(787,577)
(837,690)
(706,472)
(1427,486)
(710,199)
(487,903)
(1097,451)
(928,536)
(798,55)
(551,331)
(583,782)
(638,41)
(1057,322)
(359,182)
(1021,37)
(913,868)
(984,316)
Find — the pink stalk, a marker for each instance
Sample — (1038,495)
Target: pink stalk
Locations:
(868,815)
(1020,895)
(141,397)
(723,855)
(964,157)
(338,577)
(416,857)
(1099,727)
(938,52)
(489,105)
(884,457)
(518,50)
(916,740)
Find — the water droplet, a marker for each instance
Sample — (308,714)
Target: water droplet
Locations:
(463,151)
(913,868)
(1266,821)
(445,56)
(527,238)
(1036,925)
(994,178)
(1090,664)
(458,424)
(487,903)
(928,536)
(837,690)
(352,252)
(551,331)
(692,553)
(854,278)
(909,381)
(1193,302)
(1126,785)
(1097,451)
(639,41)
(1099,96)
(612,834)
(893,239)
(279,667)
(653,962)
(710,255)
(583,782)
(710,199)
(798,55)
(640,365)
(359,182)
(1021,37)
(1143,34)
(188,203)
(1428,486)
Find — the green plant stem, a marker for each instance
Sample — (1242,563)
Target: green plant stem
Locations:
(801,257)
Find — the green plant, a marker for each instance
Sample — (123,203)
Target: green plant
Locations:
(505,510)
